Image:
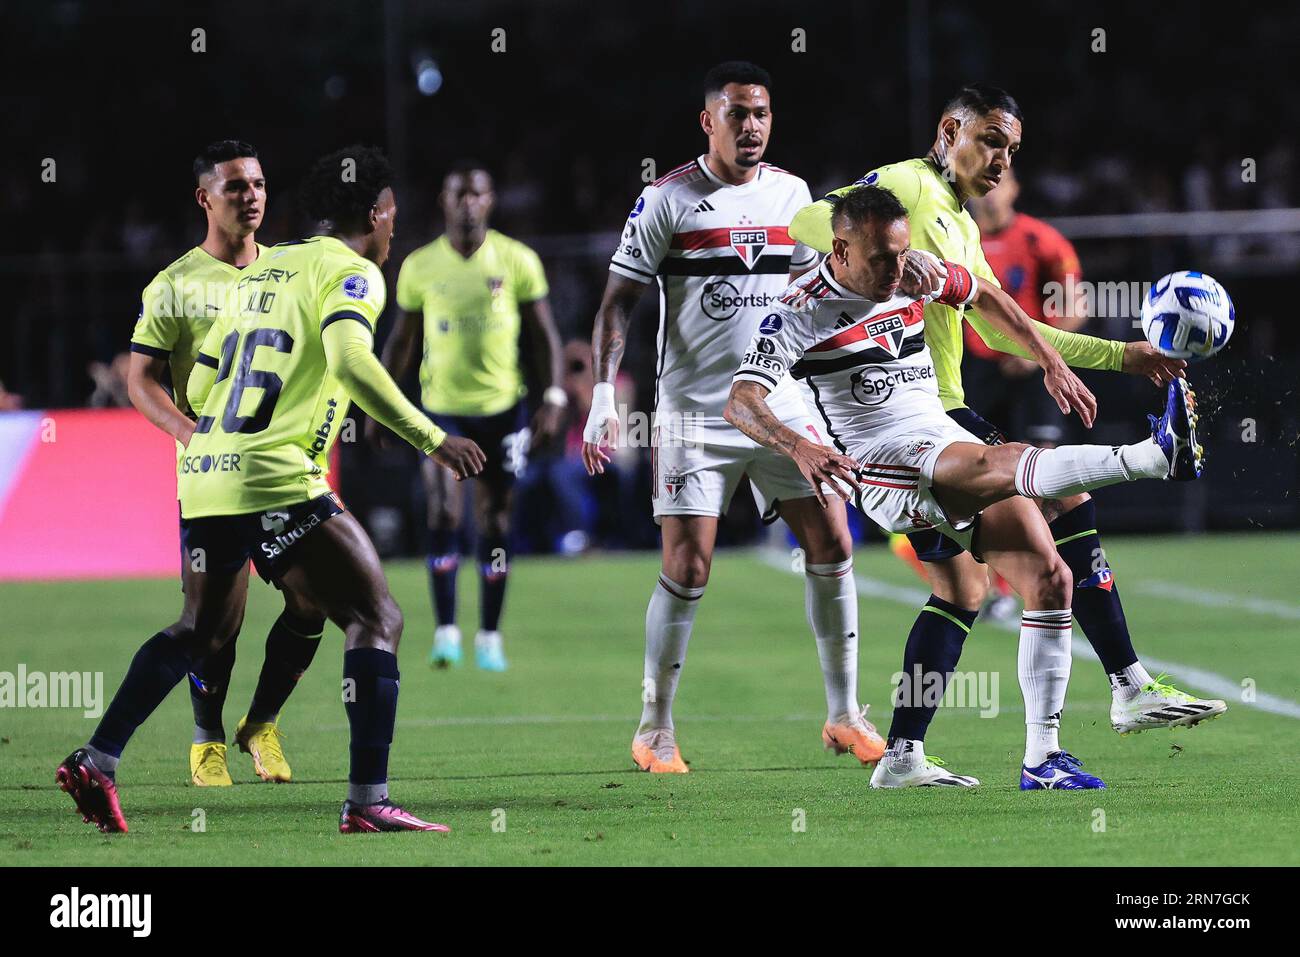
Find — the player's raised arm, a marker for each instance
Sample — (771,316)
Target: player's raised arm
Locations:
(1082,351)
(1005,315)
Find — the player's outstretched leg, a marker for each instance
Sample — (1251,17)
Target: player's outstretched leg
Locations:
(336,567)
(443,507)
(89,774)
(687,556)
(291,645)
(1014,539)
(831,601)
(1172,452)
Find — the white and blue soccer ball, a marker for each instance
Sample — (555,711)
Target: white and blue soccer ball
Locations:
(1188,315)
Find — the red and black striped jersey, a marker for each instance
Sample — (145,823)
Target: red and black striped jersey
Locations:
(866,363)
(721,255)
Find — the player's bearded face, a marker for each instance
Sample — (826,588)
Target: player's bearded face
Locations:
(738,123)
(980,150)
(234,194)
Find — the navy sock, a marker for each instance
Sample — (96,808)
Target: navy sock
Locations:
(209,685)
(290,646)
(930,658)
(370,697)
(494,569)
(157,667)
(1096,602)
(444,559)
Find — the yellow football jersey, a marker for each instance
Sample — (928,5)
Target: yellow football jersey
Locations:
(470,363)
(272,414)
(177,308)
(941,225)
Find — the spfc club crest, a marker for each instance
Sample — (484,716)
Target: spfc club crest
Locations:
(674,482)
(749,244)
(917,448)
(887,332)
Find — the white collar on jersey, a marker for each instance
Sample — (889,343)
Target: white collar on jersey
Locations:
(824,271)
(702,162)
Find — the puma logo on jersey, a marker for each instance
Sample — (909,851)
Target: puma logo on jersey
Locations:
(939,220)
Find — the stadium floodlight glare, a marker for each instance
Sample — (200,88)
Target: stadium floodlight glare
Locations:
(428,78)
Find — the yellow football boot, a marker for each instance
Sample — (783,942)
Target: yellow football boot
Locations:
(208,765)
(262,741)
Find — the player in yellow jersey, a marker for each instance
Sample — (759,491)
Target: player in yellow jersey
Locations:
(272,385)
(978,133)
(178,307)
(470,295)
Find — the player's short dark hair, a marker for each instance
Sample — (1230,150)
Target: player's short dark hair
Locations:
(857,206)
(220,152)
(466,166)
(735,71)
(983,98)
(328,195)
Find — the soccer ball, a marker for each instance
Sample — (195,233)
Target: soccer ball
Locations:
(1188,315)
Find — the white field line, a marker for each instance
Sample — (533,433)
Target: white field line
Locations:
(1206,681)
(1218,599)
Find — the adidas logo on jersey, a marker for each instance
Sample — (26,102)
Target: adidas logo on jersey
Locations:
(704,207)
(844,321)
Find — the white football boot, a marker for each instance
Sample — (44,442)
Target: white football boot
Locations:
(1161,705)
(906,766)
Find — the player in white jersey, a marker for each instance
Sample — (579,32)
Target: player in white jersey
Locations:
(713,235)
(858,341)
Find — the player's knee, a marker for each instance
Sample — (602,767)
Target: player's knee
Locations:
(1053,584)
(388,624)
(688,570)
(964,591)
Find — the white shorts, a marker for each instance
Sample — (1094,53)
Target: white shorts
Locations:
(897,472)
(697,466)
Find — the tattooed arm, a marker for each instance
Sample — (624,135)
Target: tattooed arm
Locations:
(748,411)
(608,342)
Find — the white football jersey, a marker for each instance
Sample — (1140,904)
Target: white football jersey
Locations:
(721,255)
(865,363)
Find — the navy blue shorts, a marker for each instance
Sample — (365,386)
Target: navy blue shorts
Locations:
(503,438)
(932,545)
(225,543)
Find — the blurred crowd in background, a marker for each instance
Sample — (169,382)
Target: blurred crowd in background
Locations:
(1156,113)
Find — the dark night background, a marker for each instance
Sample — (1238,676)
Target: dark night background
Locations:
(1159,122)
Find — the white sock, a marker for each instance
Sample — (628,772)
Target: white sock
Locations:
(1127,683)
(668,620)
(1043,663)
(906,751)
(1071,469)
(831,597)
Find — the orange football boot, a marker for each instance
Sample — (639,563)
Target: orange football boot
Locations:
(656,751)
(854,734)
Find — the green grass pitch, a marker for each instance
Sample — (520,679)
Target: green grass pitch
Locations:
(532,767)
